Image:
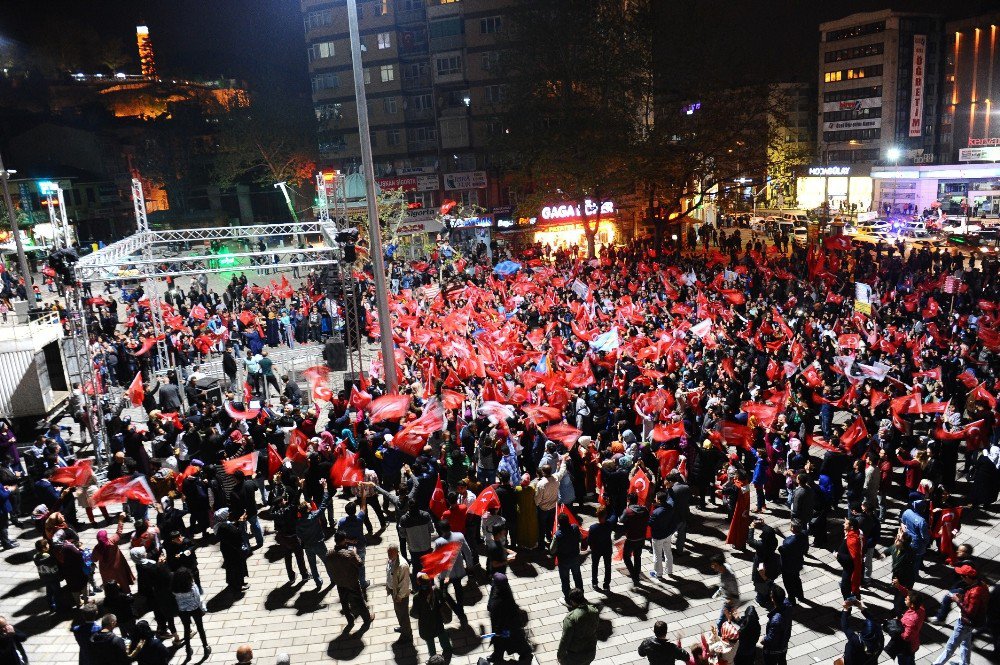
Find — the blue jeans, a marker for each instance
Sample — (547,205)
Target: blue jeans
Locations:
(569,565)
(256,530)
(52,593)
(961,637)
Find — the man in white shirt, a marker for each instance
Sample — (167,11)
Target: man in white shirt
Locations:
(397,586)
(547,498)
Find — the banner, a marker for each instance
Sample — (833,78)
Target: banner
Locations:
(862,298)
(917,86)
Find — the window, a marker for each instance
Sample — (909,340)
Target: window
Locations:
(389,105)
(421,199)
(325,81)
(424,134)
(831,77)
(491,60)
(854,73)
(489,25)
(457,98)
(329,113)
(387,72)
(392,137)
(381,7)
(368,76)
(494,94)
(384,40)
(321,50)
(856,31)
(852,134)
(421,103)
(866,51)
(851,114)
(318,19)
(448,27)
(374,138)
(410,5)
(414,70)
(449,64)
(470,198)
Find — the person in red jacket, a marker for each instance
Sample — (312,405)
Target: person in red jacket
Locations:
(850,559)
(972,601)
(913,621)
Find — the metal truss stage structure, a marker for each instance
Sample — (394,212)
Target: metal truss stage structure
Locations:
(150,256)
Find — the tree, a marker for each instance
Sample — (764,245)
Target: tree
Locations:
(392,209)
(112,54)
(699,146)
(578,86)
(265,144)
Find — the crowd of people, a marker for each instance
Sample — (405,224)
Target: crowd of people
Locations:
(832,407)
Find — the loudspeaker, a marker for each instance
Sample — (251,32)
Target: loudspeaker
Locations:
(212,390)
(350,379)
(335,355)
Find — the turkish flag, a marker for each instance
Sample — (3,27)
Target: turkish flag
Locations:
(854,434)
(487,500)
(247,464)
(199,312)
(246,317)
(247,394)
(359,398)
(877,397)
(147,344)
(811,376)
(820,442)
(123,489)
(541,413)
(388,407)
(837,242)
(345,471)
(441,560)
(663,432)
(563,433)
(849,341)
(736,434)
(972,429)
(452,399)
(968,379)
(581,376)
(273,460)
(981,394)
(640,485)
(136,391)
(184,475)
(237,414)
(929,374)
(298,446)
(76,475)
(321,393)
(438,503)
(764,413)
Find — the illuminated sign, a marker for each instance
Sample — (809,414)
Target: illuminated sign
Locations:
(830,170)
(569,211)
(917,85)
(47,187)
(465,180)
(993,140)
(979,154)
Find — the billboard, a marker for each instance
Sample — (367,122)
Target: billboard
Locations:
(917,85)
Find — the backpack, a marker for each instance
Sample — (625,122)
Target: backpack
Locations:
(88,561)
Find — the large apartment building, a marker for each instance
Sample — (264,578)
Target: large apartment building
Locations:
(879,87)
(433,86)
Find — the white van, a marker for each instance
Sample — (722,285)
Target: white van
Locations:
(795,219)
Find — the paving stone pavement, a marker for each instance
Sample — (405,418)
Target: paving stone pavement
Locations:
(275,617)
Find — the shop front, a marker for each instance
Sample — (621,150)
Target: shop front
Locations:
(560,227)
(416,236)
(843,188)
(467,233)
(960,189)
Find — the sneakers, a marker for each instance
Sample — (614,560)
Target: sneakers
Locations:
(653,574)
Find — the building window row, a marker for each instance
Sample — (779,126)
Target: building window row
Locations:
(325,81)
(853,93)
(321,50)
(450,64)
(852,135)
(489,25)
(318,19)
(384,40)
(853,73)
(448,27)
(865,51)
(852,114)
(855,31)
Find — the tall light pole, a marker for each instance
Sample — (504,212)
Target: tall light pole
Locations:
(374,228)
(22,260)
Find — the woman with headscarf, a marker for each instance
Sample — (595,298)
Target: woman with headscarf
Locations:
(986,478)
(739,526)
(110,561)
(507,622)
(234,558)
(527,516)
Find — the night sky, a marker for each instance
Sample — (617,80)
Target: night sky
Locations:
(261,41)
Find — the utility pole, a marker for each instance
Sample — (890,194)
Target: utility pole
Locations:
(22,260)
(374,228)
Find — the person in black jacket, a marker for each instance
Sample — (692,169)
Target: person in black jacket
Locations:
(599,540)
(11,643)
(864,647)
(229,368)
(507,622)
(243,502)
(181,554)
(766,562)
(680,495)
(659,650)
(749,624)
(566,547)
(778,630)
(195,490)
(107,648)
(234,561)
(146,648)
(793,550)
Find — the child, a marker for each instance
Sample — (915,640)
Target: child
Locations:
(48,572)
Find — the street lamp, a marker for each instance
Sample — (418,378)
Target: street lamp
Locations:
(22,261)
(893,154)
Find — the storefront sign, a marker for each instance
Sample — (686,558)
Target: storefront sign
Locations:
(863,123)
(979,154)
(570,211)
(421,214)
(917,85)
(420,183)
(853,104)
(993,140)
(465,180)
(829,170)
(470,222)
(415,170)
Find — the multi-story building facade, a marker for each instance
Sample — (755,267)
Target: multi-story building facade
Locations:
(431,71)
(878,88)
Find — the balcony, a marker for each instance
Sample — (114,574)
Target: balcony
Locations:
(418,115)
(410,16)
(440,10)
(421,145)
(449,43)
(416,82)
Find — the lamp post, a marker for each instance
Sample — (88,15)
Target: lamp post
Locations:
(22,260)
(374,228)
